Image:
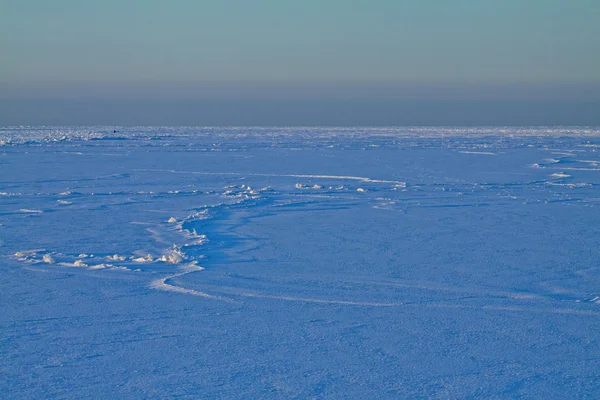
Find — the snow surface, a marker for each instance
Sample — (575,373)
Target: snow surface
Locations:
(299,262)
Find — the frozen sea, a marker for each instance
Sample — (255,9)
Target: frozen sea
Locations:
(354,263)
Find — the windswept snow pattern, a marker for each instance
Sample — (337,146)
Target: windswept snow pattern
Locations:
(300,262)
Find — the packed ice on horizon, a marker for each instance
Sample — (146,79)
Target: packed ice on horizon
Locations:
(416,262)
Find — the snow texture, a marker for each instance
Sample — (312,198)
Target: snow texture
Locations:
(299,262)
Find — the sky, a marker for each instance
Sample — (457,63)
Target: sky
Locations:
(367,62)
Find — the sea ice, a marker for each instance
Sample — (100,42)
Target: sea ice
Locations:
(373,262)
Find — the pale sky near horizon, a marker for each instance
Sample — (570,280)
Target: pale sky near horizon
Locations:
(175,44)
(238,40)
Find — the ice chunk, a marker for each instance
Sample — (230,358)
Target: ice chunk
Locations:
(146,259)
(175,256)
(99,266)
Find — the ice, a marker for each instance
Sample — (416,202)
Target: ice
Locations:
(165,262)
(485,153)
(31,211)
(174,256)
(162,283)
(47,258)
(147,259)
(100,266)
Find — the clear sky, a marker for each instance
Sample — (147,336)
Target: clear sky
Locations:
(80,47)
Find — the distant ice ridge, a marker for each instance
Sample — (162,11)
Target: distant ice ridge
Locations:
(489,153)
(27,135)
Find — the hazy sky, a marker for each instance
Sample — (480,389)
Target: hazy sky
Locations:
(82,47)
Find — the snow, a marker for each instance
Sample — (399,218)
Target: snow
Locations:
(48,259)
(372,263)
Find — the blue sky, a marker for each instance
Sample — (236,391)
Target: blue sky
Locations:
(81,47)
